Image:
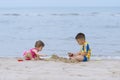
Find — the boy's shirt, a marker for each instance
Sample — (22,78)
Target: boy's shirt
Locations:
(86,48)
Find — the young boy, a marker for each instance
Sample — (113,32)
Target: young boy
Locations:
(85,52)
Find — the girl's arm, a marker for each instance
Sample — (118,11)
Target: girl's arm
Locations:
(42,55)
(38,54)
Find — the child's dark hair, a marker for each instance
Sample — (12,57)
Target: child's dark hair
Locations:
(39,43)
(80,36)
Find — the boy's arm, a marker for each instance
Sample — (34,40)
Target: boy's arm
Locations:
(79,53)
(83,53)
(73,54)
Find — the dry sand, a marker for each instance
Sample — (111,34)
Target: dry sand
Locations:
(11,69)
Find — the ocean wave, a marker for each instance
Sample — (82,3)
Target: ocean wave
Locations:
(111,26)
(66,14)
(115,14)
(61,14)
(103,57)
(11,14)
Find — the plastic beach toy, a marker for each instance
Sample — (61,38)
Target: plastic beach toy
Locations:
(20,60)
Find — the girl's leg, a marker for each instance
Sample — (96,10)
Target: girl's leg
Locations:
(28,56)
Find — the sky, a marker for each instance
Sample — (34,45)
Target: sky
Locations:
(59,3)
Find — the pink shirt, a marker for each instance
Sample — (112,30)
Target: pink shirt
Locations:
(31,51)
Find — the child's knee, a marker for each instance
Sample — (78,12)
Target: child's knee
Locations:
(28,55)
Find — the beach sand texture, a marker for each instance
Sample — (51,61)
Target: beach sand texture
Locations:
(11,69)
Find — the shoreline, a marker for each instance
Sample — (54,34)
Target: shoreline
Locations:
(92,57)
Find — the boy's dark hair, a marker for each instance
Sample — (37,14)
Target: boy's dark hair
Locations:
(39,43)
(80,36)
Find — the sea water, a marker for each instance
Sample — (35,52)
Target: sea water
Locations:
(57,28)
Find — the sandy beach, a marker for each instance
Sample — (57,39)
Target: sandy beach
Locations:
(11,69)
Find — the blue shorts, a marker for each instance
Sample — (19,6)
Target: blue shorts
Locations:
(85,59)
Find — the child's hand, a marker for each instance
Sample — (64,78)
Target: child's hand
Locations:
(45,55)
(70,54)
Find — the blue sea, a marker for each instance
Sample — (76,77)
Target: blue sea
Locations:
(57,28)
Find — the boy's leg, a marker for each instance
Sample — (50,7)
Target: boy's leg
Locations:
(78,58)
